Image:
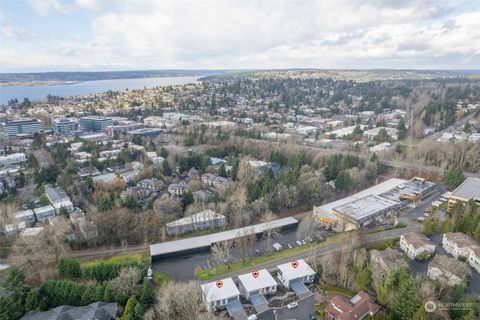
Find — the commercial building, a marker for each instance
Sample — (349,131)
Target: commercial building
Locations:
(13,158)
(64,126)
(204,243)
(416,245)
(23,126)
(206,219)
(373,204)
(372,133)
(146,132)
(294,276)
(217,297)
(96,123)
(469,189)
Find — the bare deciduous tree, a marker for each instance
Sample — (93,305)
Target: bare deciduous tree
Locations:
(179,301)
(221,252)
(270,231)
(307,227)
(127,280)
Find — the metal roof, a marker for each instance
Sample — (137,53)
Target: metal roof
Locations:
(208,240)
(469,189)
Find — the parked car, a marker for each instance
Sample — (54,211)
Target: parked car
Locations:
(292,305)
(298,242)
(303,242)
(312,316)
(290,246)
(277,246)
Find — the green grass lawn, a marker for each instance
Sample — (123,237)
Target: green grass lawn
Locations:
(240,265)
(133,257)
(160,278)
(336,289)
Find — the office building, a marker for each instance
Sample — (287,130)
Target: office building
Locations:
(23,126)
(96,123)
(63,125)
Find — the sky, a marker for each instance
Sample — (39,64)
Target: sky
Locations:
(93,35)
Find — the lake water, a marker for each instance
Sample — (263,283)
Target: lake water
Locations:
(87,87)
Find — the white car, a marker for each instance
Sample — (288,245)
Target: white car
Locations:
(277,246)
(299,242)
(292,305)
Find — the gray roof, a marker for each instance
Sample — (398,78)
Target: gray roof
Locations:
(96,310)
(469,189)
(55,194)
(208,240)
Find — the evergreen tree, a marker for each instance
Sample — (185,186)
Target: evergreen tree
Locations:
(406,300)
(454,177)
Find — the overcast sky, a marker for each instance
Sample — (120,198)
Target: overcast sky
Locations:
(52,35)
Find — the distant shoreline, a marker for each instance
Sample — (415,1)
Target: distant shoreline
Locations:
(37,83)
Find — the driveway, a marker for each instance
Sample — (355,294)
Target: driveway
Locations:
(301,312)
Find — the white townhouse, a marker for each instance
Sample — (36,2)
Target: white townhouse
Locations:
(263,283)
(415,244)
(288,274)
(474,259)
(458,244)
(217,297)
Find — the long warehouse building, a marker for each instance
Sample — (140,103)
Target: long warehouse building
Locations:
(204,243)
(372,204)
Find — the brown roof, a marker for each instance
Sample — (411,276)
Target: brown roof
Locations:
(417,239)
(392,258)
(354,309)
(452,265)
(461,239)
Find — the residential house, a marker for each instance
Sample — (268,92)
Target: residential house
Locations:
(448,270)
(388,260)
(152,184)
(257,282)
(361,306)
(458,244)
(294,277)
(416,245)
(215,180)
(97,311)
(26,216)
(88,172)
(217,295)
(177,189)
(44,213)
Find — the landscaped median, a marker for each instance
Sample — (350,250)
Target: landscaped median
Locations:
(206,274)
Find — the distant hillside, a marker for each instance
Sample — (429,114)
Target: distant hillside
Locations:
(102,75)
(360,75)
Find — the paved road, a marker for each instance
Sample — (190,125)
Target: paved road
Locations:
(364,239)
(301,312)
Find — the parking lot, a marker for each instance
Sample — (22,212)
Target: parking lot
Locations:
(286,238)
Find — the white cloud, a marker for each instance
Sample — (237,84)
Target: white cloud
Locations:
(266,34)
